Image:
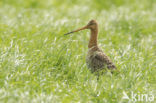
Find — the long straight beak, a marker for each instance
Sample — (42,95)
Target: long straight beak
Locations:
(85,27)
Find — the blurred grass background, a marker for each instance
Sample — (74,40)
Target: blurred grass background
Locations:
(39,64)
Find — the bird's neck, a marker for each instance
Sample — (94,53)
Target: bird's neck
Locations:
(93,38)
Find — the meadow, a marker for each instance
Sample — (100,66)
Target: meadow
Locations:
(38,64)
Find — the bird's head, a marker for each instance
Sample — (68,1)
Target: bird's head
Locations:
(91,25)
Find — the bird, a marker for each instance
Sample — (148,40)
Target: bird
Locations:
(96,59)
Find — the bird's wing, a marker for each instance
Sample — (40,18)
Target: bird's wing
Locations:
(101,57)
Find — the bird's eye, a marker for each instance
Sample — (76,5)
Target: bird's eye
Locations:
(91,23)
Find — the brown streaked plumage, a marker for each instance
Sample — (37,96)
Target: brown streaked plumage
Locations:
(96,60)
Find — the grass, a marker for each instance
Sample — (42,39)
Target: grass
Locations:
(39,64)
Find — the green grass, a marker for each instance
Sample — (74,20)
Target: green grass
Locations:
(39,64)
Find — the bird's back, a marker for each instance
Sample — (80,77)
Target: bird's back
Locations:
(97,60)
